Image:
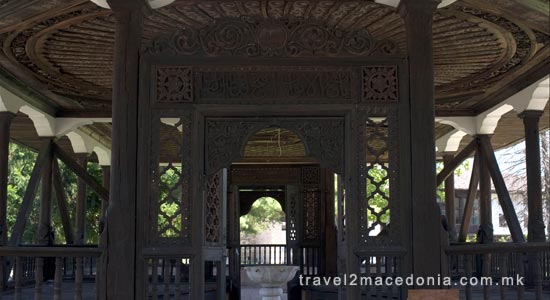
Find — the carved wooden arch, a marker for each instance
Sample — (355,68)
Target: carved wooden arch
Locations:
(225,139)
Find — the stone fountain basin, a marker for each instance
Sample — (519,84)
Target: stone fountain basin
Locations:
(271,276)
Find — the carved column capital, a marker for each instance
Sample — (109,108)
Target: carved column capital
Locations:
(126,5)
(530,114)
(418,6)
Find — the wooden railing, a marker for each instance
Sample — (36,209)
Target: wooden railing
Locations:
(310,261)
(308,258)
(167,277)
(382,263)
(263,254)
(61,262)
(501,262)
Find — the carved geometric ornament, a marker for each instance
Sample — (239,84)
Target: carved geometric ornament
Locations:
(174,84)
(380,83)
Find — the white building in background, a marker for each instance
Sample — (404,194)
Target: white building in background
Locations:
(517,187)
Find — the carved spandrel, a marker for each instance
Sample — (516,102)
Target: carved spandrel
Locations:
(323,137)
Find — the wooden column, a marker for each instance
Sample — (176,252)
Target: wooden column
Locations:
(535,226)
(5,122)
(121,214)
(450,210)
(426,224)
(80,216)
(106,181)
(485,232)
(45,231)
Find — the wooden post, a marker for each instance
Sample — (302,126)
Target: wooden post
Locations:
(450,210)
(234,242)
(62,204)
(535,226)
(490,161)
(469,205)
(106,181)
(485,233)
(425,248)
(5,122)
(80,216)
(121,214)
(45,231)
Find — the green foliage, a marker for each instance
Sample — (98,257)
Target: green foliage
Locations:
(169,218)
(378,191)
(463,167)
(21,163)
(264,212)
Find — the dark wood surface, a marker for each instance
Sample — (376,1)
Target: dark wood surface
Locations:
(426,224)
(121,215)
(470,198)
(533,169)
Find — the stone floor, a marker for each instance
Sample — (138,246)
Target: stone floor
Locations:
(67,288)
(247,293)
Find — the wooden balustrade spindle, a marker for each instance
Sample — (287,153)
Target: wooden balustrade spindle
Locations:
(468,270)
(78,279)
(503,271)
(166,279)
(18,277)
(537,272)
(177,280)
(520,269)
(486,272)
(378,274)
(154,279)
(57,279)
(38,278)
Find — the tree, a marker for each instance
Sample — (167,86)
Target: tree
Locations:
(264,213)
(514,161)
(20,166)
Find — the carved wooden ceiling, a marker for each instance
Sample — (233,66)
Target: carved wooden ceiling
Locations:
(61,50)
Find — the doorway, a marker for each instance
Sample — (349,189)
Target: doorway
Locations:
(276,171)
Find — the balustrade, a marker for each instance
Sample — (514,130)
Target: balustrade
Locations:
(500,264)
(35,268)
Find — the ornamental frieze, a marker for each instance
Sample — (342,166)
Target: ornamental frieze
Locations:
(256,37)
(276,84)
